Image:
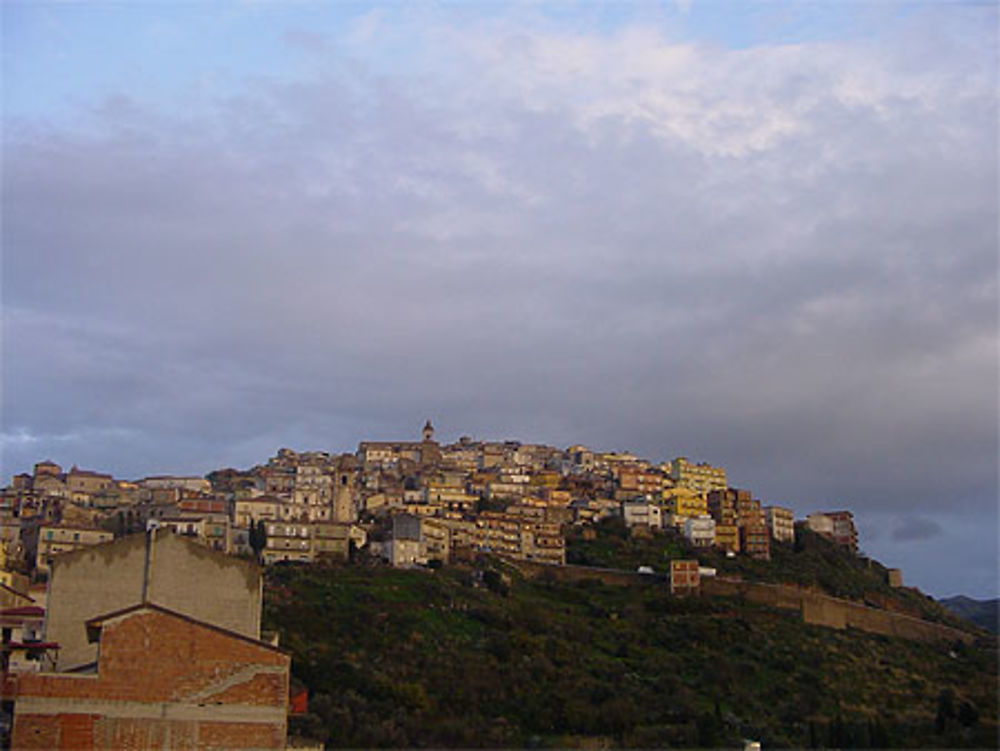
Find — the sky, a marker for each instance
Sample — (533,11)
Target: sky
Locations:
(760,235)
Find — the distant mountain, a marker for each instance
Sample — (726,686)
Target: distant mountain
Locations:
(983,613)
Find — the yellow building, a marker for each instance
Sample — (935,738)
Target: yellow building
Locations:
(727,537)
(545,480)
(684,502)
(698,477)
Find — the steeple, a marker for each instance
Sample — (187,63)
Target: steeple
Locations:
(428,432)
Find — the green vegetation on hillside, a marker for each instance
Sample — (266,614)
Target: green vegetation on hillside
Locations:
(812,561)
(481,657)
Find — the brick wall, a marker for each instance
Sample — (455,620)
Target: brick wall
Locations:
(163,680)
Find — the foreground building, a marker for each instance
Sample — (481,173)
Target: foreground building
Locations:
(158,644)
(163,680)
(156,567)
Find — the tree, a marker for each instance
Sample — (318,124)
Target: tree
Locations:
(258,537)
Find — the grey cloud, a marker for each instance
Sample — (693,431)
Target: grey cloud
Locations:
(319,261)
(916,528)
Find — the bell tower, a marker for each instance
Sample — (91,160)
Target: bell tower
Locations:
(428,432)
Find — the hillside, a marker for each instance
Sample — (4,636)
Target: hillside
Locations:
(478,656)
(984,613)
(811,561)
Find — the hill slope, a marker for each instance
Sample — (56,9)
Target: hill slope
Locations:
(479,656)
(984,613)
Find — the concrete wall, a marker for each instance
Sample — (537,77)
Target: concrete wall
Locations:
(164,681)
(179,574)
(822,610)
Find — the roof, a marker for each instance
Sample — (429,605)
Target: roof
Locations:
(26,611)
(12,645)
(94,625)
(76,471)
(22,595)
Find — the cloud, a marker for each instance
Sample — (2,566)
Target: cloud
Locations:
(916,529)
(781,258)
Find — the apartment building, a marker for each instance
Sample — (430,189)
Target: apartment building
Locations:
(837,526)
(700,530)
(288,541)
(780,522)
(682,503)
(727,537)
(844,531)
(701,478)
(642,514)
(640,481)
(755,541)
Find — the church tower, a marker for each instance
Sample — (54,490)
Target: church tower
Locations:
(428,432)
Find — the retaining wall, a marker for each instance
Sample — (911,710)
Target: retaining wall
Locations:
(815,608)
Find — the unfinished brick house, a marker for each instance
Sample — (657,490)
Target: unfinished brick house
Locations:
(163,680)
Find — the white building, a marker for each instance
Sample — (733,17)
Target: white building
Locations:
(642,514)
(700,530)
(780,523)
(821,524)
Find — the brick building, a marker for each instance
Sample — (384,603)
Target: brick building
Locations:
(684,577)
(163,680)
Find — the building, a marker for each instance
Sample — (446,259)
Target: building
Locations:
(780,522)
(639,481)
(288,541)
(642,514)
(331,541)
(163,680)
(755,541)
(844,531)
(23,649)
(437,537)
(388,454)
(407,547)
(211,530)
(700,530)
(821,524)
(189,484)
(86,482)
(684,502)
(154,567)
(684,577)
(727,537)
(700,478)
(837,526)
(49,540)
(247,511)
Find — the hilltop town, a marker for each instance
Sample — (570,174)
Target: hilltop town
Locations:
(408,502)
(96,571)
